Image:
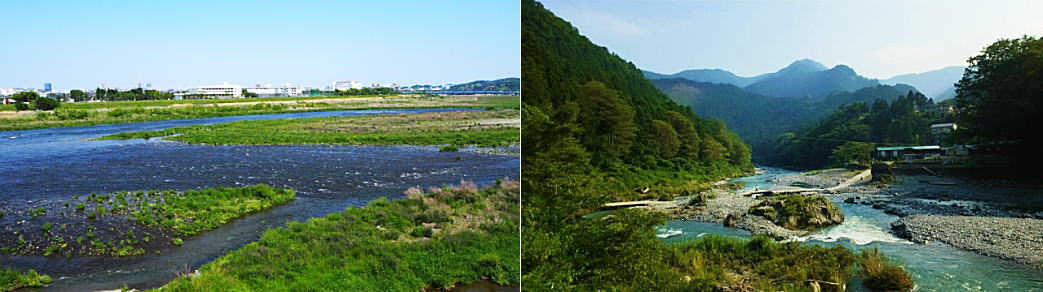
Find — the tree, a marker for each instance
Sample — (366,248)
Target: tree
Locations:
(665,138)
(248,94)
(25,96)
(852,151)
(1001,95)
(712,150)
(46,103)
(610,120)
(78,95)
(686,133)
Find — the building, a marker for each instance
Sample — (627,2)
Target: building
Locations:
(908,152)
(286,90)
(941,131)
(345,85)
(223,90)
(47,87)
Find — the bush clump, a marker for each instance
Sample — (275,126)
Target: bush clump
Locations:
(449,148)
(11,280)
(880,274)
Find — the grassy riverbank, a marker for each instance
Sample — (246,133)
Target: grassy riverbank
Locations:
(11,280)
(481,128)
(87,114)
(104,224)
(448,236)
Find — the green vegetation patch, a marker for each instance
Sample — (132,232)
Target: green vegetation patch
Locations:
(437,239)
(11,280)
(481,128)
(196,211)
(105,224)
(880,274)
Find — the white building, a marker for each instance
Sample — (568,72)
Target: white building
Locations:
(286,90)
(345,85)
(223,90)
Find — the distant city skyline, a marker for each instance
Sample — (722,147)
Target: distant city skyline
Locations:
(879,39)
(73,44)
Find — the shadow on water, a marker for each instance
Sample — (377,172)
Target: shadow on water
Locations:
(49,165)
(934,266)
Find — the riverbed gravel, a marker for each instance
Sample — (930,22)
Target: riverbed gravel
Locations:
(1016,239)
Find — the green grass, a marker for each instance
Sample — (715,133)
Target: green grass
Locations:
(87,114)
(11,280)
(185,214)
(444,128)
(438,239)
(195,211)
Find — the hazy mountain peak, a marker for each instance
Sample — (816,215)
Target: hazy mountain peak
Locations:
(845,69)
(804,65)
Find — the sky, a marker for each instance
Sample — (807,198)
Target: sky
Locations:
(180,44)
(879,39)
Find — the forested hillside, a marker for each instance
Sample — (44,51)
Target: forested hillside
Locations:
(758,119)
(594,129)
(852,131)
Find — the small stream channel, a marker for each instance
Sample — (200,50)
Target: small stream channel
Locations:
(44,167)
(934,266)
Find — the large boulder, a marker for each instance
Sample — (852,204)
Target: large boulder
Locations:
(882,173)
(799,212)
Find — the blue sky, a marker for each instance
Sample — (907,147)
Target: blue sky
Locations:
(80,44)
(879,39)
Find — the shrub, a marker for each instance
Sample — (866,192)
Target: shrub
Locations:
(46,103)
(20,106)
(177,241)
(879,274)
(12,280)
(449,148)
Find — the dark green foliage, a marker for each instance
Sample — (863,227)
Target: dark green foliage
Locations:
(133,94)
(850,151)
(25,96)
(665,139)
(1000,97)
(449,148)
(46,104)
(18,106)
(880,274)
(899,122)
(12,280)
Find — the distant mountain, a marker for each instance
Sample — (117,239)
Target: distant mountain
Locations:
(708,75)
(809,78)
(505,84)
(937,84)
(801,78)
(757,118)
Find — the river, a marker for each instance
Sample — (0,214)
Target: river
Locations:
(934,266)
(44,167)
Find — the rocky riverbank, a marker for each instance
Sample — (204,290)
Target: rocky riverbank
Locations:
(975,215)
(1016,239)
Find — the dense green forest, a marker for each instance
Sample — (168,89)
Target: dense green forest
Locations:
(903,121)
(505,84)
(759,119)
(595,127)
(1000,98)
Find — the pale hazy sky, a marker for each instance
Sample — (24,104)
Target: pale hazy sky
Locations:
(79,44)
(879,39)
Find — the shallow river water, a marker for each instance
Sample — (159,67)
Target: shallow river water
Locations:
(934,266)
(46,166)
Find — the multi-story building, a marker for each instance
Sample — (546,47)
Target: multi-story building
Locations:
(223,90)
(286,90)
(345,85)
